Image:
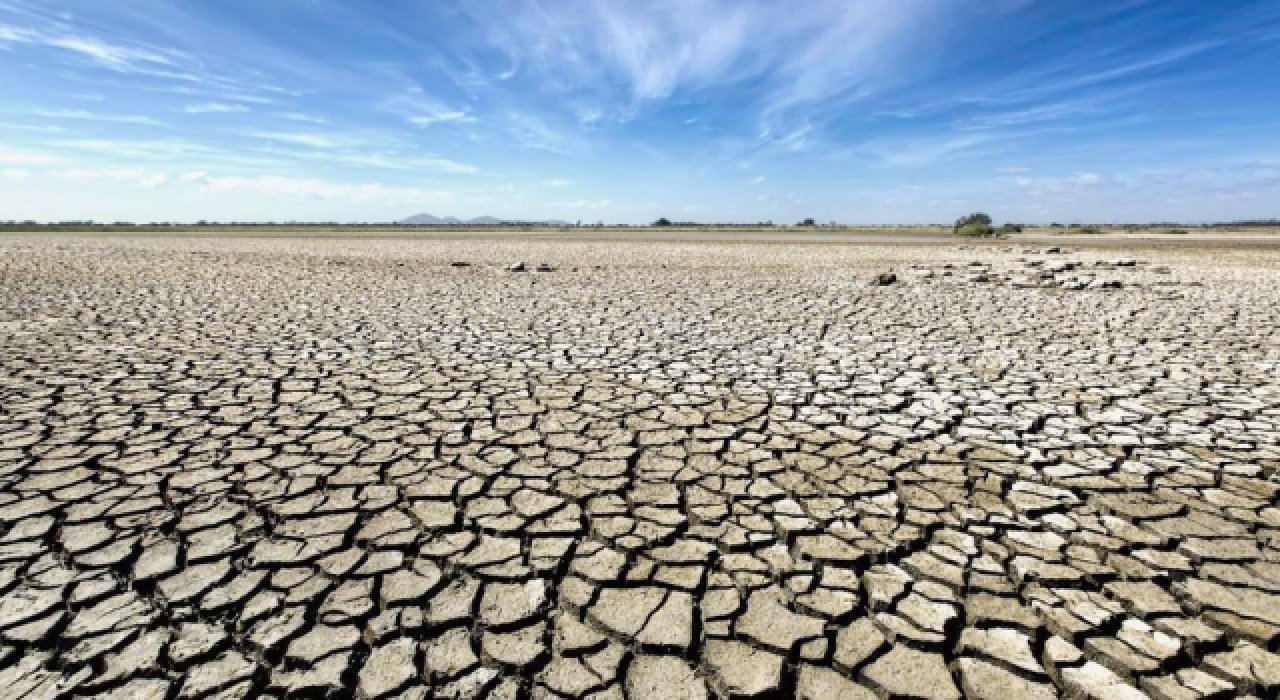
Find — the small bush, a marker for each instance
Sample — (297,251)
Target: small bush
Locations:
(1011,228)
(1089,230)
(975,231)
(976,219)
(1177,232)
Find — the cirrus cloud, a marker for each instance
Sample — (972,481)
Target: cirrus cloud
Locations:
(311,188)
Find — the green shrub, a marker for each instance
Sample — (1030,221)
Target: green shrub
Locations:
(1088,230)
(1177,231)
(975,219)
(975,231)
(1011,228)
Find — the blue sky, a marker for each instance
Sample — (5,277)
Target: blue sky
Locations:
(893,111)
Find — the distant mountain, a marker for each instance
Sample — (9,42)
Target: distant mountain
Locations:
(429,220)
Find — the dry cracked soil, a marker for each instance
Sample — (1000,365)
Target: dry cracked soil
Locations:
(269,468)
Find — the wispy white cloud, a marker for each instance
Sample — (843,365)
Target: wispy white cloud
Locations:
(8,157)
(790,71)
(437,163)
(312,188)
(844,48)
(134,151)
(656,49)
(38,128)
(1075,71)
(141,178)
(439,117)
(922,151)
(797,139)
(85,115)
(17,35)
(661,51)
(137,59)
(557,182)
(305,118)
(118,58)
(215,108)
(583,204)
(419,109)
(352,155)
(297,138)
(1034,114)
(1062,184)
(531,131)
(589,114)
(15,175)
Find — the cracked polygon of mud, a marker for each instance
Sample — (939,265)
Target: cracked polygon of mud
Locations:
(269,468)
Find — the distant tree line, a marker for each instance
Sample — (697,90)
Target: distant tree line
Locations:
(976,224)
(91,226)
(1272,223)
(664,222)
(1253,222)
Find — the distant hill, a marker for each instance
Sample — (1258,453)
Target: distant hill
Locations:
(429,220)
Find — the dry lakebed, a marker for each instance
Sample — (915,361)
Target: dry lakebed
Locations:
(270,467)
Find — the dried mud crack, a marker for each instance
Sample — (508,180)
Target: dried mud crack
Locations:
(396,469)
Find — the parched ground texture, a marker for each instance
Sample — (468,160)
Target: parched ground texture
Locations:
(304,468)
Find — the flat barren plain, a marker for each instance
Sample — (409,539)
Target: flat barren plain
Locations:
(279,467)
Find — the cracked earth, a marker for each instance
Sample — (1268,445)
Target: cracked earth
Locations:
(306,468)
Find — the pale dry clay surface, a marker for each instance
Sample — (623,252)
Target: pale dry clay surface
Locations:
(304,468)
